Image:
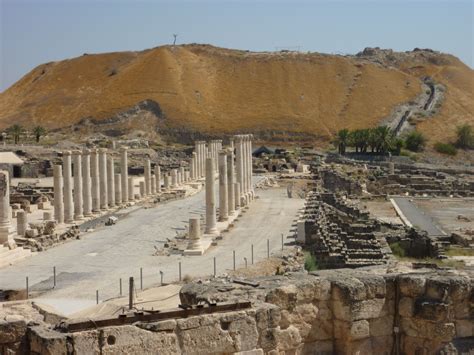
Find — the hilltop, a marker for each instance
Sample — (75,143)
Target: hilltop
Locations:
(192,90)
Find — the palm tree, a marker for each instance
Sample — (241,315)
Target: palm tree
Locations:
(16,131)
(342,140)
(384,139)
(39,131)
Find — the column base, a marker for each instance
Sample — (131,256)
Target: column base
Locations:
(212,231)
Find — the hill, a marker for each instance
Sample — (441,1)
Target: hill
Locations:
(194,89)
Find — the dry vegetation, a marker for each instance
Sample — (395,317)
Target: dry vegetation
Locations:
(216,90)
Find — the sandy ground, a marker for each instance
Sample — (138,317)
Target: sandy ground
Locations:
(382,210)
(104,256)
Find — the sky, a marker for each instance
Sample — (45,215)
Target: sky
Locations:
(33,32)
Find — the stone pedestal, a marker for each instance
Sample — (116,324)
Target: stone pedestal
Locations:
(95,180)
(131,189)
(124,173)
(68,200)
(104,199)
(194,235)
(211,222)
(223,188)
(7,233)
(58,194)
(47,216)
(118,189)
(391,168)
(111,182)
(78,192)
(230,181)
(21,222)
(86,183)
(147,177)
(158,178)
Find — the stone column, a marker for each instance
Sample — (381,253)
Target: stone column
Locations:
(193,166)
(124,173)
(77,161)
(68,201)
(194,236)
(147,177)
(178,177)
(118,189)
(391,168)
(174,178)
(7,233)
(130,189)
(230,181)
(58,194)
(240,164)
(21,222)
(111,182)
(237,195)
(211,223)
(158,178)
(197,150)
(142,189)
(86,183)
(103,179)
(250,166)
(243,184)
(203,159)
(153,185)
(166,182)
(183,175)
(223,188)
(95,180)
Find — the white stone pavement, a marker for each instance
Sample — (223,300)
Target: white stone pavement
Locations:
(97,261)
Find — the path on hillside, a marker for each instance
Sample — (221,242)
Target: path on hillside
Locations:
(102,257)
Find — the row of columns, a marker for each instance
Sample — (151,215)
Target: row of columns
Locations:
(233,193)
(94,187)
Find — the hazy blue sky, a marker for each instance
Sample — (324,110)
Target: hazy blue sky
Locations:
(38,31)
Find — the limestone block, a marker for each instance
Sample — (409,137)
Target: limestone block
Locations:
(348,289)
(31,208)
(31,233)
(200,340)
(463,310)
(406,307)
(438,288)
(460,288)
(268,317)
(282,339)
(360,330)
(420,328)
(412,285)
(46,341)
(381,326)
(375,285)
(431,310)
(12,329)
(464,328)
(284,297)
(316,288)
(165,325)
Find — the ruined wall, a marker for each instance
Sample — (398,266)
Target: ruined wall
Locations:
(343,311)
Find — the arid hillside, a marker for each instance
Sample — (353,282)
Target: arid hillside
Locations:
(200,88)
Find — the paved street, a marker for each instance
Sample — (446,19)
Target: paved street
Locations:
(418,217)
(102,257)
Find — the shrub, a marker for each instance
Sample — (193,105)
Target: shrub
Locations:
(397,249)
(465,137)
(310,262)
(445,148)
(415,141)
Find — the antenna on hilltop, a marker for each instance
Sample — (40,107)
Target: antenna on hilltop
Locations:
(175,36)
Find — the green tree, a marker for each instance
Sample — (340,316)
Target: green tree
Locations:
(397,145)
(384,137)
(465,137)
(342,140)
(373,139)
(16,131)
(360,140)
(415,141)
(39,131)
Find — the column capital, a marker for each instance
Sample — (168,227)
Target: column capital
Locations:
(76,152)
(67,152)
(86,151)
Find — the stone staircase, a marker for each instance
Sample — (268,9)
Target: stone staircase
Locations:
(10,256)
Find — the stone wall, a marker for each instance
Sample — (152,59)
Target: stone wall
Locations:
(337,311)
